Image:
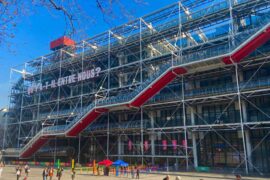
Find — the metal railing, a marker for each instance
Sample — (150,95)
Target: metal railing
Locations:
(123,125)
(214,90)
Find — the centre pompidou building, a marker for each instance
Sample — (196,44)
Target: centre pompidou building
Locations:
(184,87)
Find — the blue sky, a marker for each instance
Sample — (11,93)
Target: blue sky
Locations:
(39,26)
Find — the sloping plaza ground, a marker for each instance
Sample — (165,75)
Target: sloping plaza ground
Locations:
(36,174)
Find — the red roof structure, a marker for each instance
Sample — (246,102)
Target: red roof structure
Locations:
(61,42)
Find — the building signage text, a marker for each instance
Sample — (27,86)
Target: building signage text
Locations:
(73,78)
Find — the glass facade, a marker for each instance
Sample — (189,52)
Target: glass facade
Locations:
(226,150)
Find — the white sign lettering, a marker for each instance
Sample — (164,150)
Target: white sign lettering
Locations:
(81,76)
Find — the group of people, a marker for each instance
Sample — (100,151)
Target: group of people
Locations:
(19,171)
(134,172)
(48,172)
(106,171)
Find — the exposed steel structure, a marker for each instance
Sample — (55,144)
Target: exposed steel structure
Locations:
(184,87)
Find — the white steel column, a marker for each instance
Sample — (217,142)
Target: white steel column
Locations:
(194,142)
(192,115)
(21,110)
(241,117)
(39,98)
(141,79)
(249,149)
(108,135)
(244,109)
(238,78)
(141,58)
(109,63)
(185,124)
(142,150)
(54,152)
(79,149)
(108,90)
(82,69)
(152,138)
(119,146)
(247,136)
(246,132)
(59,87)
(183,88)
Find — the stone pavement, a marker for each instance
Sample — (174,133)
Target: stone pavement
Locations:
(36,174)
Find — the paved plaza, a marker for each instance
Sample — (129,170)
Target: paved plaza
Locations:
(36,174)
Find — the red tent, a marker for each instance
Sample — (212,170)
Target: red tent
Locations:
(105,162)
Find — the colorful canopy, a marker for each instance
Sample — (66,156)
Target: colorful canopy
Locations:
(105,162)
(120,163)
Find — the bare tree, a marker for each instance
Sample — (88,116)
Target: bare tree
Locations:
(8,13)
(73,13)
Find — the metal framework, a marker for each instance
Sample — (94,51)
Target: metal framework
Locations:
(157,90)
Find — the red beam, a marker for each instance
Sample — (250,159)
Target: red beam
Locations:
(157,86)
(92,116)
(35,147)
(248,48)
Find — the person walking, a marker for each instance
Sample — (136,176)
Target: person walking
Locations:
(98,173)
(104,171)
(45,173)
(125,172)
(26,171)
(18,173)
(51,173)
(59,173)
(107,171)
(132,173)
(73,174)
(121,171)
(137,173)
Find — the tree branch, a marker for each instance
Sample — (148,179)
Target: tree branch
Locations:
(66,13)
